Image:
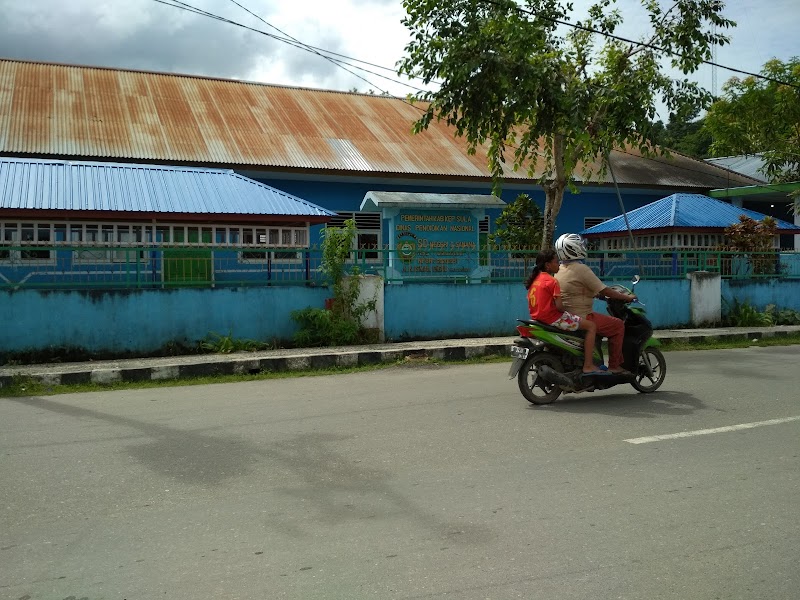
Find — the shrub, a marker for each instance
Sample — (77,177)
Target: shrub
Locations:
(742,314)
(225,344)
(320,327)
(341,325)
(783,316)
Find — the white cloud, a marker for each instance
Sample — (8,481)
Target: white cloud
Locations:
(144,34)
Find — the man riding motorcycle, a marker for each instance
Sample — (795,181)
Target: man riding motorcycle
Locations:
(580,286)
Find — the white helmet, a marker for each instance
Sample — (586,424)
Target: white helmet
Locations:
(570,246)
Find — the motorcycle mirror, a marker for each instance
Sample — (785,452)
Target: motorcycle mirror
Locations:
(635,279)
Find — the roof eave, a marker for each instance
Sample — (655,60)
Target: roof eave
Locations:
(159,217)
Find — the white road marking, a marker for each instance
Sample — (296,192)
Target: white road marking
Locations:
(685,434)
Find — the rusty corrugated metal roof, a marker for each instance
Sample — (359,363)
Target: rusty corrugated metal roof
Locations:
(63,111)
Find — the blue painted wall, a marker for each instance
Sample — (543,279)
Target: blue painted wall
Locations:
(667,301)
(419,311)
(144,321)
(783,294)
(591,202)
(442,310)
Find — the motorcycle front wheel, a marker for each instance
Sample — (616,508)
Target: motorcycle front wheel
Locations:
(535,389)
(649,380)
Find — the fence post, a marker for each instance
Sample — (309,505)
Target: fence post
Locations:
(705,307)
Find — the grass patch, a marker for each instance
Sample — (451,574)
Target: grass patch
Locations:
(789,339)
(22,386)
(26,386)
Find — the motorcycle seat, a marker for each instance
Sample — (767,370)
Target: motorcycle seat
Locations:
(581,334)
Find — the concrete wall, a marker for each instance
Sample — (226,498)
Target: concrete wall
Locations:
(145,321)
(447,310)
(140,322)
(667,301)
(432,310)
(706,300)
(783,294)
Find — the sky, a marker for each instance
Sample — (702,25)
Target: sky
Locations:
(148,35)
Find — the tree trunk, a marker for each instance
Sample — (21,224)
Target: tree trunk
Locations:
(554,196)
(554,193)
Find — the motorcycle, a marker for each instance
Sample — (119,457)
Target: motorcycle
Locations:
(549,361)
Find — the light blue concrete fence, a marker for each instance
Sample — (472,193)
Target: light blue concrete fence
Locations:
(760,293)
(140,322)
(430,311)
(145,321)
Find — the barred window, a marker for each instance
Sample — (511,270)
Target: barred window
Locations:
(368,240)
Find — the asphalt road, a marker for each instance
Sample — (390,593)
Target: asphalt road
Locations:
(420,481)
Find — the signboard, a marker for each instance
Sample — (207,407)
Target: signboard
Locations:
(435,243)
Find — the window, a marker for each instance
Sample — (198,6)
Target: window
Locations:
(368,238)
(88,235)
(101,237)
(29,241)
(268,240)
(100,243)
(34,235)
(9,237)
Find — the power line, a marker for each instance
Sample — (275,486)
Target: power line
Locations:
(297,44)
(302,45)
(635,43)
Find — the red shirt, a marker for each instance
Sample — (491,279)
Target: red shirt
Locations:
(540,299)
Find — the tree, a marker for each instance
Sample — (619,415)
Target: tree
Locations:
(511,78)
(688,137)
(342,324)
(755,239)
(520,224)
(761,116)
(519,227)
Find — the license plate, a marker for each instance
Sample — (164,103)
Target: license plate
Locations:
(519,352)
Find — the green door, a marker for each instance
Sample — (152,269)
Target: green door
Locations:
(188,266)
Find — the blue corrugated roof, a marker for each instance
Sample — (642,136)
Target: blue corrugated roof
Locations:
(683,211)
(28,183)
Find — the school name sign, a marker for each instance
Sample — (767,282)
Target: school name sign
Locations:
(436,242)
(432,236)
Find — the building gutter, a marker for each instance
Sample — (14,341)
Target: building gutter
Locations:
(753,190)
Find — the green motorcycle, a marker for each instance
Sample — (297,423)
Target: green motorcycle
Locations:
(548,360)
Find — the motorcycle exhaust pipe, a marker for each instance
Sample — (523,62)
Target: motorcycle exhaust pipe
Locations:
(552,376)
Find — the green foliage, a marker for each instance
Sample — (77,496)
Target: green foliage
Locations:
(320,327)
(687,137)
(341,325)
(337,249)
(749,235)
(509,77)
(225,344)
(742,314)
(520,224)
(782,316)
(756,239)
(759,116)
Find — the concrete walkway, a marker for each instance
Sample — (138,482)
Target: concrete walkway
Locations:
(299,359)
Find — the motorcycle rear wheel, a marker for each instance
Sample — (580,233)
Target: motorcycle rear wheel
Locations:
(658,365)
(535,389)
